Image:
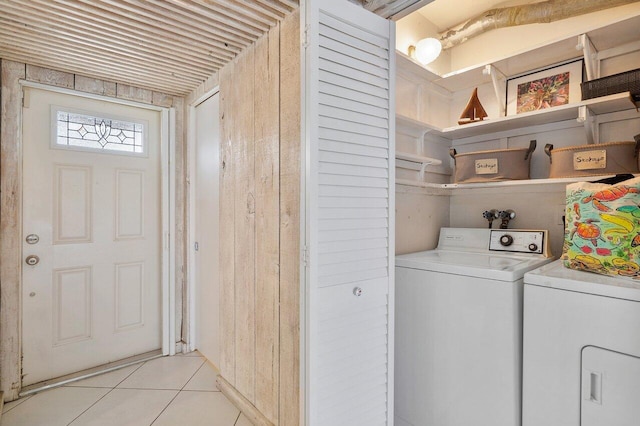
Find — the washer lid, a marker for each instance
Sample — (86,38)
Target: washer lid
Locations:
(555,275)
(499,267)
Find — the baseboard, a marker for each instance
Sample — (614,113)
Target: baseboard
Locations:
(243,404)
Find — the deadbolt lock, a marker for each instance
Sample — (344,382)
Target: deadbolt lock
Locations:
(32,260)
(32,239)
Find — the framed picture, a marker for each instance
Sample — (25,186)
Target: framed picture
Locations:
(548,88)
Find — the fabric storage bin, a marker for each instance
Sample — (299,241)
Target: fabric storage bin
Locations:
(592,160)
(494,165)
(602,231)
(628,81)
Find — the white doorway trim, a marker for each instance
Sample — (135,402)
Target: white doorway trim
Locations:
(168,138)
(191,258)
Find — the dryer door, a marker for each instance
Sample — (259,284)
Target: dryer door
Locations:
(610,388)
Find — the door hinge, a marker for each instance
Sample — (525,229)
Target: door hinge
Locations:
(25,99)
(196,246)
(305,256)
(305,37)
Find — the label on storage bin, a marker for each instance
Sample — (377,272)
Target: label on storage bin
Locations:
(588,160)
(487,166)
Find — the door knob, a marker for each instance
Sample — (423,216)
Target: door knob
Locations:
(32,260)
(32,239)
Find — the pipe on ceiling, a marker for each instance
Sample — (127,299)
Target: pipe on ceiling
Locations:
(388,8)
(536,13)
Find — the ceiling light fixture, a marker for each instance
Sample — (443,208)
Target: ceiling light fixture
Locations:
(426,50)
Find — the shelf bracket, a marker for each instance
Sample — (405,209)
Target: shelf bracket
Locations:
(423,168)
(585,116)
(590,56)
(496,75)
(420,142)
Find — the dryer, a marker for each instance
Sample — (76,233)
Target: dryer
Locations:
(458,335)
(581,351)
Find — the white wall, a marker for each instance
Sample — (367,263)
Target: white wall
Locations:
(419,217)
(536,207)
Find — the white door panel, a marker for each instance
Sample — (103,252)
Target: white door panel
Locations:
(610,388)
(95,295)
(349,120)
(207,182)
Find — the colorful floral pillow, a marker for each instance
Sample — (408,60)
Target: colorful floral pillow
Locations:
(602,228)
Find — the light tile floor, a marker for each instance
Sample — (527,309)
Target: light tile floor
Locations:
(178,390)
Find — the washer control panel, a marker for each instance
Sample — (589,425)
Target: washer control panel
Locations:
(518,241)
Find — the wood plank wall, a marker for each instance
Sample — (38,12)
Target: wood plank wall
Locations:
(260,226)
(290,169)
(11,195)
(10,226)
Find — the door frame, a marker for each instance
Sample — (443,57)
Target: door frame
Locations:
(191,338)
(168,207)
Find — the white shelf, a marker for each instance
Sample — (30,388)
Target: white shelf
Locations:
(414,128)
(501,184)
(603,105)
(415,158)
(417,162)
(523,182)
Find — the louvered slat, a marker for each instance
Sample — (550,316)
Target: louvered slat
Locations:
(345,246)
(351,214)
(349,105)
(343,202)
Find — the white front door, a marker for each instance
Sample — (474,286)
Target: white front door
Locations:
(92,216)
(206,233)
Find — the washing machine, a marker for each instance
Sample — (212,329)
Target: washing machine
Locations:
(458,334)
(581,362)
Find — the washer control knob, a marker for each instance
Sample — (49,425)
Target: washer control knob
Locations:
(533,247)
(506,240)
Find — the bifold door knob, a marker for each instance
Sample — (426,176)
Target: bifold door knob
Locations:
(357,291)
(32,260)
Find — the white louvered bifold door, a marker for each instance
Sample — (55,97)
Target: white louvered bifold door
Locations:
(349,133)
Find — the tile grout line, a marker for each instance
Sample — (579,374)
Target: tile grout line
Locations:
(193,375)
(165,407)
(89,407)
(103,396)
(129,375)
(178,393)
(237,419)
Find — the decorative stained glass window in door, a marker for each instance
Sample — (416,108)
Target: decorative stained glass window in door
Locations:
(76,130)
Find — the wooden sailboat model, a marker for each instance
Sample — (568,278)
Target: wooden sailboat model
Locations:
(473,111)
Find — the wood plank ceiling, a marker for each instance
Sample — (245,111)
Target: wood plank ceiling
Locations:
(166,45)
